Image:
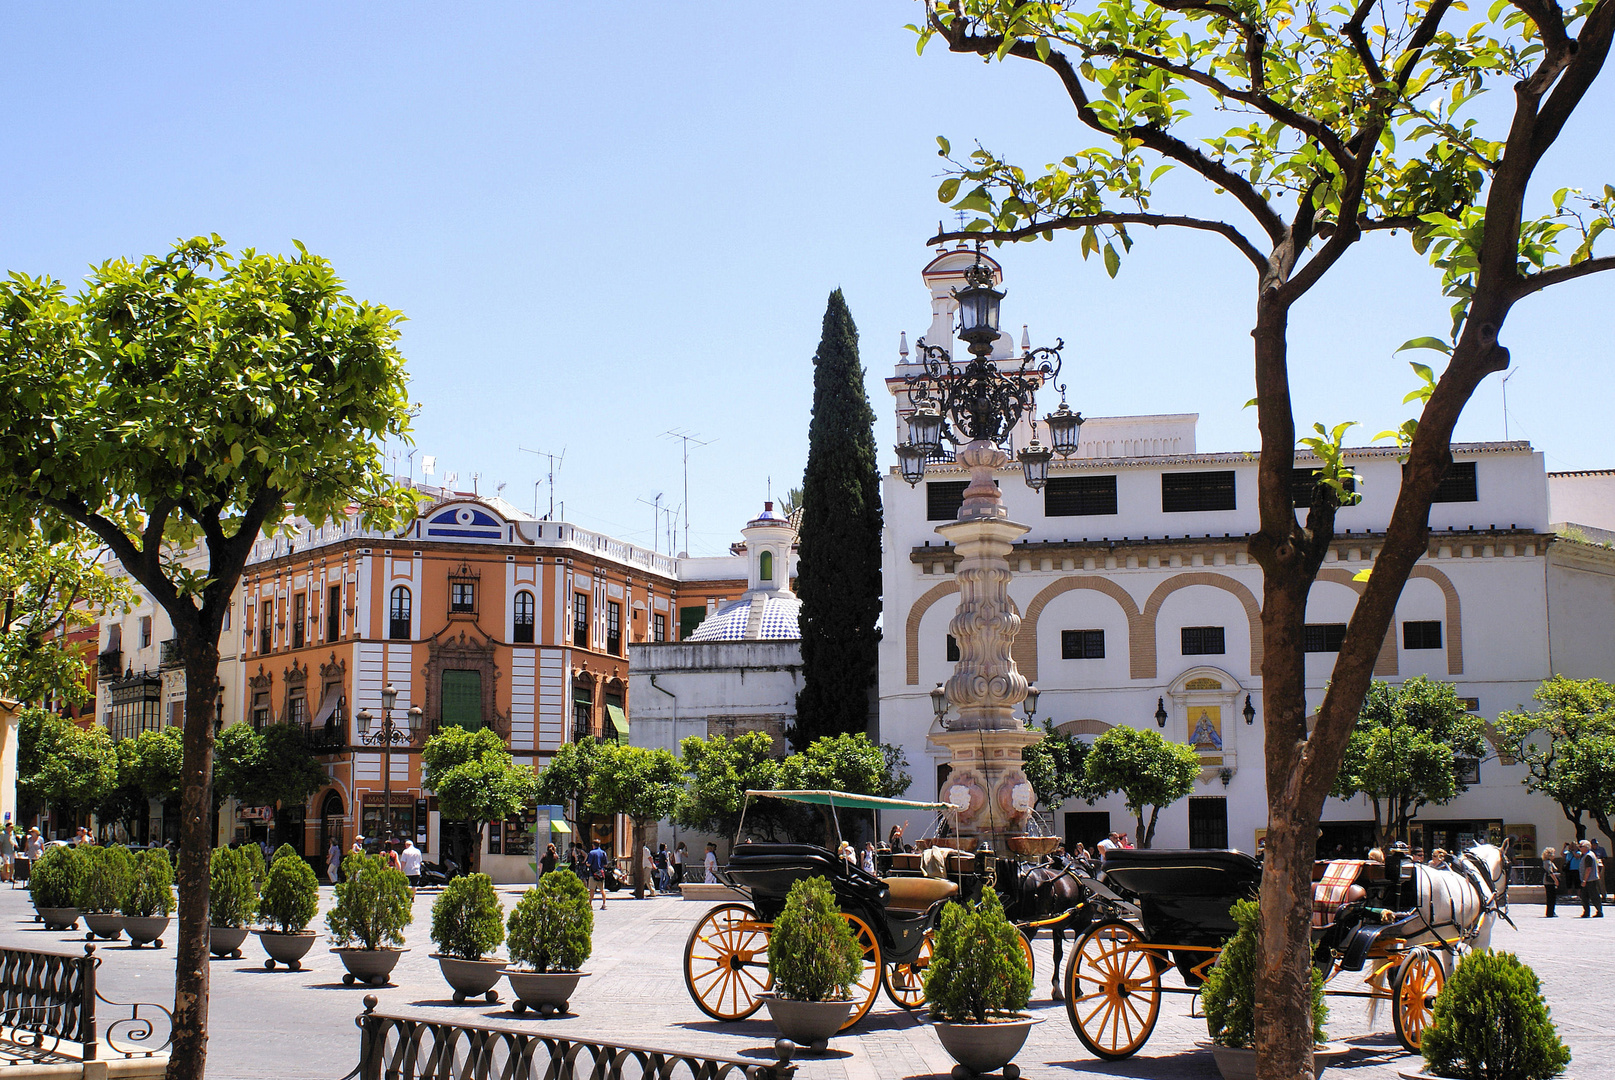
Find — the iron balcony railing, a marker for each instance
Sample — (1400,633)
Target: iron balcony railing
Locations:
(109,665)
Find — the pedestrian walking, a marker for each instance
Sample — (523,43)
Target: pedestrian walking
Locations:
(661,859)
(711,863)
(1603,878)
(1591,888)
(647,866)
(333,861)
(597,874)
(8,852)
(409,861)
(546,865)
(680,854)
(1550,882)
(358,846)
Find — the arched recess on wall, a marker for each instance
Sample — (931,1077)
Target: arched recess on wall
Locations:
(1385,663)
(1024,651)
(1455,633)
(1144,643)
(1083,727)
(912,630)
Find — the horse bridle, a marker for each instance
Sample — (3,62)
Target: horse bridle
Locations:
(1490,891)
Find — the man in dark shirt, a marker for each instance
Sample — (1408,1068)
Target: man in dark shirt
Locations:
(1592,893)
(597,874)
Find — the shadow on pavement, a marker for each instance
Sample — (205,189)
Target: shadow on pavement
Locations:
(1193,1063)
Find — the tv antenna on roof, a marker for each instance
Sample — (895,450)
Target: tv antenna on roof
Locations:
(686,437)
(556,461)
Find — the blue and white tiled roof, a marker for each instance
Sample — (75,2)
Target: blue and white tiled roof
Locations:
(779,622)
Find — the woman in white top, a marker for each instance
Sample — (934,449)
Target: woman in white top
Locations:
(869,858)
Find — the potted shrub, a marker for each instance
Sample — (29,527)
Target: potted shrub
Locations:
(1229,998)
(977,987)
(1491,1022)
(372,908)
(814,960)
(53,884)
(290,899)
(468,923)
(232,900)
(550,936)
(150,900)
(108,872)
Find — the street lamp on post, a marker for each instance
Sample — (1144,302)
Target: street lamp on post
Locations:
(385,736)
(976,406)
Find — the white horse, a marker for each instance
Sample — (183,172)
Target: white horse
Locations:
(1463,899)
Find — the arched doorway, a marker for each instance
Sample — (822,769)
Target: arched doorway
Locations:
(332,819)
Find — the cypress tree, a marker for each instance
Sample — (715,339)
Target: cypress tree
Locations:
(838,575)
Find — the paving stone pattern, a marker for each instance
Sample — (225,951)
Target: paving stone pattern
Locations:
(299,1025)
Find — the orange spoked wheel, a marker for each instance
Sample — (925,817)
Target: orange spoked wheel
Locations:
(905,983)
(726,962)
(869,980)
(1112,990)
(1414,987)
(1026,954)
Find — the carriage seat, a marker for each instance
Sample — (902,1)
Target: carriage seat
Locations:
(918,893)
(1337,887)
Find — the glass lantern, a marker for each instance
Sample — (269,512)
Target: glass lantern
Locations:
(1064,429)
(925,429)
(911,463)
(1035,460)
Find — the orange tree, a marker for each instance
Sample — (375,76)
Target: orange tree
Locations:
(194,400)
(1310,125)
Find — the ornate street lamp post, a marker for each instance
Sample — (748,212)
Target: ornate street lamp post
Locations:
(385,737)
(977,406)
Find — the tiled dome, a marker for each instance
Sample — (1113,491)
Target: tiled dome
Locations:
(780,617)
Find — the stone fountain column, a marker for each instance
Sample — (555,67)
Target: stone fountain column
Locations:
(986,739)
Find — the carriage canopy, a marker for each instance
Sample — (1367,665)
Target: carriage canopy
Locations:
(845,800)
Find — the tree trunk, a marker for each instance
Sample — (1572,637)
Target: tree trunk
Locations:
(638,859)
(188,1060)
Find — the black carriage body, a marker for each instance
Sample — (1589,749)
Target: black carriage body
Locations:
(1184,896)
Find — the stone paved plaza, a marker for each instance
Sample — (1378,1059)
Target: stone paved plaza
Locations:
(299,1025)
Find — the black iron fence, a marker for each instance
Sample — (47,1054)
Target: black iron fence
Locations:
(399,1048)
(47,999)
(109,664)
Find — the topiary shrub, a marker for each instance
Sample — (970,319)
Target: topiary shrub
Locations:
(372,907)
(232,892)
(812,952)
(552,925)
(254,856)
(468,921)
(1229,992)
(977,970)
(291,895)
(1491,1023)
(108,873)
(282,852)
(57,878)
(151,887)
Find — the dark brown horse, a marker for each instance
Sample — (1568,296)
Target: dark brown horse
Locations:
(1047,896)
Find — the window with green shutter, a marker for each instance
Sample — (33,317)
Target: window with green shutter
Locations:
(462,699)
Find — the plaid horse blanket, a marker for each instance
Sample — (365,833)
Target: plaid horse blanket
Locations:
(1329,893)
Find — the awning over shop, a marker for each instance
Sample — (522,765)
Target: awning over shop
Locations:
(558,826)
(328,707)
(618,721)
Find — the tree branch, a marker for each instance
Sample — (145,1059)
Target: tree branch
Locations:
(1233,235)
(1531,283)
(1422,36)
(143,565)
(1166,145)
(1588,51)
(1353,29)
(1550,23)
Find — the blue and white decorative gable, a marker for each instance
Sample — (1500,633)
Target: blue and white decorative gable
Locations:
(463,522)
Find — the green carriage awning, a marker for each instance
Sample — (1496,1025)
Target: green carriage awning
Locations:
(618,721)
(849,801)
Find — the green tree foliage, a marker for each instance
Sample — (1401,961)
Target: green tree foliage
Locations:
(848,763)
(977,969)
(1229,992)
(1491,1023)
(57,878)
(552,926)
(374,903)
(641,783)
(59,764)
(46,591)
(189,401)
(1056,766)
(1299,133)
(1402,753)
(813,954)
(232,887)
(271,767)
(721,770)
(108,875)
(474,777)
(151,887)
(838,576)
(291,892)
(1568,748)
(565,780)
(468,921)
(1149,771)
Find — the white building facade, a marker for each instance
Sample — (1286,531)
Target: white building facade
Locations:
(1138,600)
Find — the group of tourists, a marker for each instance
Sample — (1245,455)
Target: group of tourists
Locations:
(400,855)
(1579,871)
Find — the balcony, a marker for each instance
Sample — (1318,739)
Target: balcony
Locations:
(168,654)
(109,665)
(328,737)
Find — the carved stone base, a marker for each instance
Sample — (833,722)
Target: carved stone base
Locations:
(987,772)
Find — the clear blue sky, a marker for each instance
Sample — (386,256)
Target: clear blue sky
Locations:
(607,220)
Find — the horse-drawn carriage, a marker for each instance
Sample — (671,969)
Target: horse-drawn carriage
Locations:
(1402,924)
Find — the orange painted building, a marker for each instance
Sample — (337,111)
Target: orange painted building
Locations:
(479,615)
